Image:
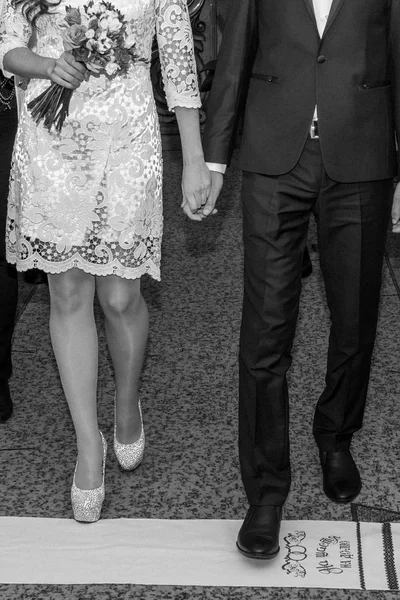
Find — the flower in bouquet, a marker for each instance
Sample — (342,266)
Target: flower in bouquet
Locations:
(75,37)
(96,37)
(73,16)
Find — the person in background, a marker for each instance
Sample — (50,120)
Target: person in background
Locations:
(35,276)
(8,273)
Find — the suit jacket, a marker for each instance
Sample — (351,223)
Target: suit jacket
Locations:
(274,65)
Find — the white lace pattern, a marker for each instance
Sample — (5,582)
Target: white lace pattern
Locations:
(91,196)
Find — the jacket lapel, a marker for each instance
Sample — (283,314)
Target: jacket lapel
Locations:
(310,8)
(336,5)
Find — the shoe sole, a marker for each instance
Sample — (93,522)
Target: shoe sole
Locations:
(343,501)
(83,520)
(257,555)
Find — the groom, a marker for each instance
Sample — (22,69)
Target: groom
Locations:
(319,82)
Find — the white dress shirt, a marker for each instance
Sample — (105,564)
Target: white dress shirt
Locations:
(321,10)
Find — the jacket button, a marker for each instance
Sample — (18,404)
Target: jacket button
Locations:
(321,59)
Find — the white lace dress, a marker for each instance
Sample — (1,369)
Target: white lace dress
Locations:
(91,196)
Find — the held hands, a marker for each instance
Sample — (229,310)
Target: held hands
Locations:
(67,71)
(200,189)
(196,186)
(396,210)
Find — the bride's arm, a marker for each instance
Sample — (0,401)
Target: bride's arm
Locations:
(65,71)
(196,181)
(15,31)
(16,58)
(178,67)
(24,62)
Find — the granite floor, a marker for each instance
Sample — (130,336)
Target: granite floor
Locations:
(189,400)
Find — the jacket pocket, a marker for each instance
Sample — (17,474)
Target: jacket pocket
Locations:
(268,78)
(374,85)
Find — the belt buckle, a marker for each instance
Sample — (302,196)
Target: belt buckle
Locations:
(314,133)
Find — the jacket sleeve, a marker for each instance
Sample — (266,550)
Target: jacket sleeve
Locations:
(395,68)
(229,89)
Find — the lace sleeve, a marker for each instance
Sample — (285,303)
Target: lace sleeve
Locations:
(15,31)
(178,65)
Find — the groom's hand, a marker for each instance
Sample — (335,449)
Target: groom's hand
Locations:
(217,181)
(396,210)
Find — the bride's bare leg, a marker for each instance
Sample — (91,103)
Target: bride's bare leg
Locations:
(74,338)
(127,325)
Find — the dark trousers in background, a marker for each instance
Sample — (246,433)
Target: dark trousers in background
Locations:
(352,221)
(8,274)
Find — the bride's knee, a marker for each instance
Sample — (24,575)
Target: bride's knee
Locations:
(122,298)
(71,291)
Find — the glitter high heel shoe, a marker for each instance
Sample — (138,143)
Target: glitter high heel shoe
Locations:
(86,504)
(129,456)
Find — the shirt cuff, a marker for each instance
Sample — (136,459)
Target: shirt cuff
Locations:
(217,167)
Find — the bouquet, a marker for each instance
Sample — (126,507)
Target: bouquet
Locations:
(98,38)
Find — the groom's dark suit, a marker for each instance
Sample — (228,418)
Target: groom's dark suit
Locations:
(275,66)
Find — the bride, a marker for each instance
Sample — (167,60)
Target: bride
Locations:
(85,206)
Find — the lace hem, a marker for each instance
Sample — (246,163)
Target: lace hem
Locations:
(114,268)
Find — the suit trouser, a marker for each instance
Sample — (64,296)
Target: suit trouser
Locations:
(352,221)
(8,274)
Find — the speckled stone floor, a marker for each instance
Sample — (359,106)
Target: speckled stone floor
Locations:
(189,400)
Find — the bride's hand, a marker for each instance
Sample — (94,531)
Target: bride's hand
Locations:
(196,187)
(67,71)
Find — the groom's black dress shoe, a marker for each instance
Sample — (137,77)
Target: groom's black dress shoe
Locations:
(6,406)
(342,482)
(259,535)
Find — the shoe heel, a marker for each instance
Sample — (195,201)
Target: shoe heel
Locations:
(129,456)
